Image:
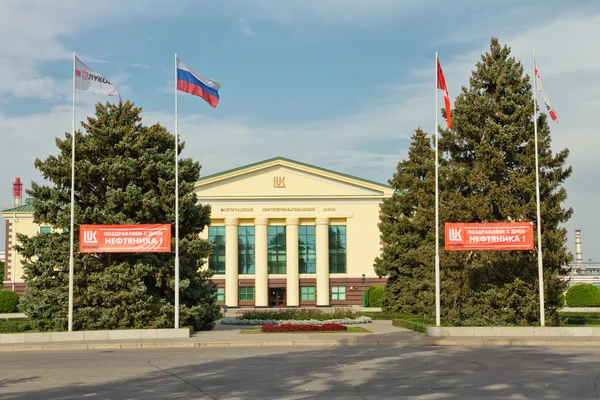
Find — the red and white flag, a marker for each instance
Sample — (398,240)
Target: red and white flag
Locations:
(88,80)
(551,111)
(441,84)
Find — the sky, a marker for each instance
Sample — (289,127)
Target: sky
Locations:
(341,84)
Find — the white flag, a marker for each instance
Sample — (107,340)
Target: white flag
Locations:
(88,80)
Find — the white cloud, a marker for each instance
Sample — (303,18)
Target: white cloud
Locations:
(330,11)
(34,33)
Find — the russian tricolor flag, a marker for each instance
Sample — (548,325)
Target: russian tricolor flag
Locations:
(189,81)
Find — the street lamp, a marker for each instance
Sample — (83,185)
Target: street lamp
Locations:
(363,291)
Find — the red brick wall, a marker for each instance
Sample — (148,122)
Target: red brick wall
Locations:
(354,295)
(308,282)
(220,283)
(246,282)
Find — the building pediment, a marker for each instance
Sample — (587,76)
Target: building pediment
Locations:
(284,178)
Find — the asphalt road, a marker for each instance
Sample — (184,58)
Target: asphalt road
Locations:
(301,373)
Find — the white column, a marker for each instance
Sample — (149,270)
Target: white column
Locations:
(231,262)
(322,238)
(261,276)
(293,275)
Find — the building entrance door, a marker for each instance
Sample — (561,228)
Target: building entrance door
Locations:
(276,297)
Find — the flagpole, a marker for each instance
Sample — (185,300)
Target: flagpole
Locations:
(71,230)
(437,216)
(176,206)
(537,195)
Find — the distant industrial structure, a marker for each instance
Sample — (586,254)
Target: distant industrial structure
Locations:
(580,271)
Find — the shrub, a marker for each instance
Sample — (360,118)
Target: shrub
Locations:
(298,314)
(15,325)
(562,299)
(375,296)
(9,301)
(583,295)
(302,328)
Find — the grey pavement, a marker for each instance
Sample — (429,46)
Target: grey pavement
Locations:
(361,372)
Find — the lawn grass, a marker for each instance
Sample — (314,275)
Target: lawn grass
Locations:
(351,329)
(15,325)
(579,318)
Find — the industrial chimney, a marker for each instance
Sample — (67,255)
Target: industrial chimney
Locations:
(17,193)
(578,256)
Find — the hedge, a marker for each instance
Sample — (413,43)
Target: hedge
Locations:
(583,295)
(412,325)
(9,301)
(375,296)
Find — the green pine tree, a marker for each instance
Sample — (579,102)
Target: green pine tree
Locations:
(491,178)
(125,174)
(407,226)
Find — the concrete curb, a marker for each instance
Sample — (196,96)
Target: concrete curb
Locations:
(514,331)
(85,336)
(298,343)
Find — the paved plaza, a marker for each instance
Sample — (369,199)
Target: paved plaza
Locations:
(361,372)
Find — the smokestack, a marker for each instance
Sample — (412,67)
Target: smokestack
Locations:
(17,193)
(578,256)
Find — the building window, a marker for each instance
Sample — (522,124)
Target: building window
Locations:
(245,249)
(221,294)
(45,229)
(216,262)
(337,249)
(307,249)
(247,293)
(277,249)
(338,293)
(307,293)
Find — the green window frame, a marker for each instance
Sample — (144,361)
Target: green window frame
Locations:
(216,262)
(247,293)
(307,249)
(45,229)
(246,250)
(277,249)
(337,249)
(338,293)
(307,293)
(220,294)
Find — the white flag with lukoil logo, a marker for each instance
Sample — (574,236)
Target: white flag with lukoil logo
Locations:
(88,80)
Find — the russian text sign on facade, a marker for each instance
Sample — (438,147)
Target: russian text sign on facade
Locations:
(489,236)
(125,238)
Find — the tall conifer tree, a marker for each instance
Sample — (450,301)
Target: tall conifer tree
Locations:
(408,230)
(125,174)
(490,177)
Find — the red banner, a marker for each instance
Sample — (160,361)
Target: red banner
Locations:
(489,236)
(125,238)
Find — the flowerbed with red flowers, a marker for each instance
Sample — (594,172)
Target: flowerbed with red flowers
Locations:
(303,328)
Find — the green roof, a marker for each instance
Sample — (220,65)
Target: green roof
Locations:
(25,208)
(294,162)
